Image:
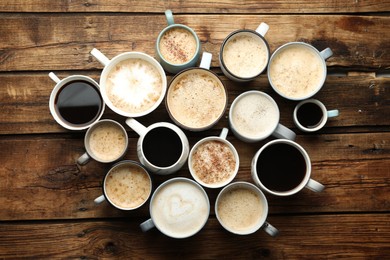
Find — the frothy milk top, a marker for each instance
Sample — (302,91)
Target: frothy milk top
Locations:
(180,209)
(134,85)
(177,45)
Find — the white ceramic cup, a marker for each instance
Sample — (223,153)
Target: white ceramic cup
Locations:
(162,147)
(282,167)
(254,116)
(213,161)
(311,115)
(242,209)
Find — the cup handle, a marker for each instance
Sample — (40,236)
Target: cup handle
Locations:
(224,133)
(283,132)
(333,113)
(326,53)
(206,60)
(83,159)
(315,186)
(147,225)
(262,29)
(136,126)
(100,56)
(99,199)
(169,17)
(54,77)
(270,230)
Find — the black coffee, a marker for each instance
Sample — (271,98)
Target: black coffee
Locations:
(309,115)
(162,147)
(78,103)
(281,167)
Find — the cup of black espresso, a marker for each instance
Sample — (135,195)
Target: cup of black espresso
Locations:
(282,168)
(75,101)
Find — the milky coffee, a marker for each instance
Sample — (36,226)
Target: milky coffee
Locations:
(134,85)
(177,45)
(179,209)
(245,55)
(296,71)
(127,186)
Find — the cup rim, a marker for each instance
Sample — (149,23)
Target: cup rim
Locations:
(320,124)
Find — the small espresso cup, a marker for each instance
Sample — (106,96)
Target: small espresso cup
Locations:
(311,115)
(132,84)
(162,147)
(282,168)
(106,141)
(244,54)
(177,46)
(214,161)
(196,99)
(126,186)
(242,209)
(254,116)
(179,208)
(75,101)
(297,70)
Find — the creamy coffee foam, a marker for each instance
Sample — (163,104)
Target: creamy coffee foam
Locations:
(254,116)
(240,209)
(127,186)
(134,85)
(177,45)
(180,209)
(107,141)
(245,55)
(296,71)
(213,162)
(196,99)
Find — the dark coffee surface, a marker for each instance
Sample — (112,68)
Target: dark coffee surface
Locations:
(309,115)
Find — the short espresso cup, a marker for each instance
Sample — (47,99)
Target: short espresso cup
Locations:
(179,208)
(196,98)
(126,186)
(177,46)
(254,116)
(244,54)
(297,70)
(106,141)
(75,101)
(213,161)
(282,167)
(132,84)
(311,115)
(242,209)
(162,147)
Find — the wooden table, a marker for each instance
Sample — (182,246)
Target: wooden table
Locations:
(46,200)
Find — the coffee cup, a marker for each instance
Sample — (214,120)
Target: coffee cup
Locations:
(177,46)
(75,101)
(179,208)
(297,70)
(254,116)
(242,209)
(196,98)
(126,186)
(162,147)
(282,167)
(132,84)
(213,161)
(244,54)
(106,141)
(311,115)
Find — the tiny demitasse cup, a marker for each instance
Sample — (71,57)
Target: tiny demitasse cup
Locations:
(76,102)
(244,54)
(106,141)
(242,209)
(178,46)
(179,208)
(282,167)
(297,70)
(126,186)
(254,116)
(196,98)
(213,161)
(132,84)
(311,115)
(162,147)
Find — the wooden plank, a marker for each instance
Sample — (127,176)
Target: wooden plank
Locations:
(358,236)
(64,41)
(200,6)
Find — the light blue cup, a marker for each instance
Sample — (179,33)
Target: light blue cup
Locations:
(167,65)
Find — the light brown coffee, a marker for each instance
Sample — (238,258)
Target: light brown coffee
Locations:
(177,45)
